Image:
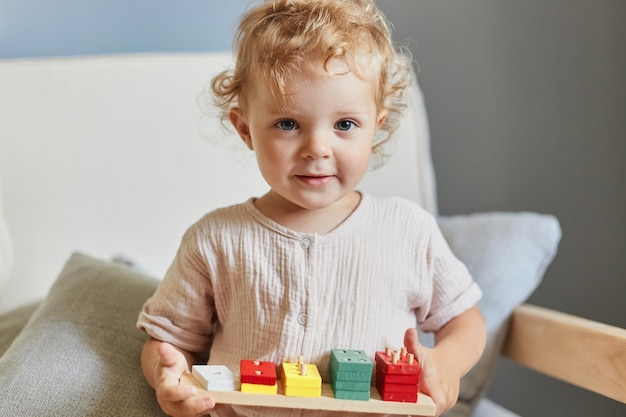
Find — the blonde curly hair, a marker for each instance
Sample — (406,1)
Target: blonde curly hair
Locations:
(274,39)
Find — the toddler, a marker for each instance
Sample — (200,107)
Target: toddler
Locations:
(316,92)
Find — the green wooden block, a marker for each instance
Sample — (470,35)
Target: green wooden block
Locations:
(349,375)
(350,385)
(352,395)
(350,361)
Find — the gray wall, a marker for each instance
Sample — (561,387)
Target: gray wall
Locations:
(527,105)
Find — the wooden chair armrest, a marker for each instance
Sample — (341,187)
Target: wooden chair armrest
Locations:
(582,352)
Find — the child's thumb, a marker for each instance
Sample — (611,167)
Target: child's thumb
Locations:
(411,339)
(167,354)
(413,345)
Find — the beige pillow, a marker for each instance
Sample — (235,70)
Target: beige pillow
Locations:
(79,355)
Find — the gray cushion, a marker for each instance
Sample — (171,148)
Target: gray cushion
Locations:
(507,253)
(79,354)
(12,323)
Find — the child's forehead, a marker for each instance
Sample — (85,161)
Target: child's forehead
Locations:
(317,63)
(297,87)
(280,89)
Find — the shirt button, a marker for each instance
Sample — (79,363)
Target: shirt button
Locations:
(303,319)
(305,243)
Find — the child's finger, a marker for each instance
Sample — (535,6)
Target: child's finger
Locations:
(170,390)
(169,355)
(197,405)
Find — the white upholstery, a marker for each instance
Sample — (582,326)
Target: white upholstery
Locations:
(487,408)
(6,248)
(104,155)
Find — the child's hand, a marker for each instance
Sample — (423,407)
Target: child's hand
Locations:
(438,379)
(175,399)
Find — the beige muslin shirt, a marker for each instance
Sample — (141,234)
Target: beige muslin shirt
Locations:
(246,287)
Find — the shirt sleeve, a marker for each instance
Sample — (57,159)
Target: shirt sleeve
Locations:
(453,289)
(182,310)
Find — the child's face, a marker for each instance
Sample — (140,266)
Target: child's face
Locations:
(315,150)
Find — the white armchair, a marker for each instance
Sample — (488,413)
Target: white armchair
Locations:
(6,249)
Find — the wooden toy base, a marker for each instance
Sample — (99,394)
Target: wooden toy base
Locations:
(423,407)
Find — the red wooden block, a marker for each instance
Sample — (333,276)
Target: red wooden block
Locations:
(400,397)
(397,378)
(385,387)
(384,363)
(257,372)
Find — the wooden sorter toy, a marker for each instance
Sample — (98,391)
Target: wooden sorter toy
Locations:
(397,375)
(302,387)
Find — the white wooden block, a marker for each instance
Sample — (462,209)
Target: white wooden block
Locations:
(215,377)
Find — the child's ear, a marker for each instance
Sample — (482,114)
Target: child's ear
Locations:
(381,118)
(240,123)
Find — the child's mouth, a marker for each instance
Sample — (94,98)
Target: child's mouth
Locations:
(315,180)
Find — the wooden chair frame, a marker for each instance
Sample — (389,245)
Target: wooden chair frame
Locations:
(581,352)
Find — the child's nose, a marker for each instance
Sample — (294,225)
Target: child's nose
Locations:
(317,146)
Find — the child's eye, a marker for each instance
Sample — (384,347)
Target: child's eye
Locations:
(345,125)
(287,125)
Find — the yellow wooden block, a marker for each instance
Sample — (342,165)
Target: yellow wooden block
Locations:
(291,376)
(259,388)
(303,391)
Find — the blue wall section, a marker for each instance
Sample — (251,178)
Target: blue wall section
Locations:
(35,28)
